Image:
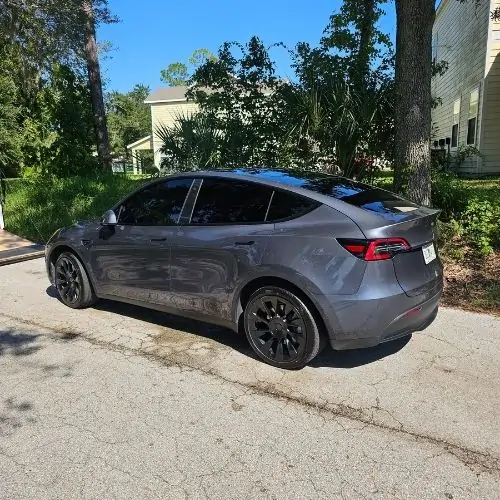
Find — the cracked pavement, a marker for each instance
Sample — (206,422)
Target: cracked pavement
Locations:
(123,402)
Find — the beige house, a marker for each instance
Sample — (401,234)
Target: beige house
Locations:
(465,36)
(166,105)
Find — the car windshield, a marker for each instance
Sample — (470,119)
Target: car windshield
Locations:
(364,196)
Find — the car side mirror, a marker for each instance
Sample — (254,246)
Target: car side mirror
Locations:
(109,219)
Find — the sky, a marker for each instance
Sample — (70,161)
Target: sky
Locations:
(154,33)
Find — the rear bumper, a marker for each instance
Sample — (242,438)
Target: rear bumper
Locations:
(357,323)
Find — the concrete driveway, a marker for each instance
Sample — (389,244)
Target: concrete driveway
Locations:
(122,402)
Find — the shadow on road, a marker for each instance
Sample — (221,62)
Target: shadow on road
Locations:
(237,341)
(17,343)
(358,357)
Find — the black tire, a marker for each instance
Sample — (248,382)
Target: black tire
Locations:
(72,282)
(268,318)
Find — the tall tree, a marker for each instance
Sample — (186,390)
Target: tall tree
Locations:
(413,99)
(95,83)
(35,38)
(349,77)
(179,73)
(129,119)
(242,101)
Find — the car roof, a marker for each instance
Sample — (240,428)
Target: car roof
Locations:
(289,180)
(362,203)
(276,178)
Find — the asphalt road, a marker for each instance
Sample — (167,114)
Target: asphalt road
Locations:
(122,402)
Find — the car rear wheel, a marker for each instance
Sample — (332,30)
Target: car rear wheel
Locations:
(281,328)
(72,282)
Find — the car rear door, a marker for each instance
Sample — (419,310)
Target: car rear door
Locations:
(132,259)
(219,244)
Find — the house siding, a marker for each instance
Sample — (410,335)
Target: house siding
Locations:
(462,39)
(165,114)
(490,124)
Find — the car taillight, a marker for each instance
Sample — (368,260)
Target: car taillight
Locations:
(381,249)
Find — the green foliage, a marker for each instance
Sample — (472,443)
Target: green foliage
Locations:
(458,158)
(439,68)
(129,119)
(34,209)
(480,223)
(241,98)
(175,74)
(178,73)
(337,117)
(200,56)
(194,142)
(69,118)
(10,144)
(47,33)
(468,212)
(42,56)
(449,194)
(56,133)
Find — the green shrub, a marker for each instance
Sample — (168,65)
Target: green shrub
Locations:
(480,225)
(449,194)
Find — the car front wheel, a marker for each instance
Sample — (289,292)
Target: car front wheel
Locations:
(72,282)
(281,328)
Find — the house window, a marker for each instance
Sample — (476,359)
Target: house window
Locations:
(472,123)
(456,121)
(434,47)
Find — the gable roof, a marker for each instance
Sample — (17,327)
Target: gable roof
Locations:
(167,94)
(178,94)
(139,142)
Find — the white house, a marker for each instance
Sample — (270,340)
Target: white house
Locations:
(465,36)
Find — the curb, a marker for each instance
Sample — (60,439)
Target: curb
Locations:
(20,255)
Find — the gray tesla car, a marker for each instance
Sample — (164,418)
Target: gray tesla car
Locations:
(295,260)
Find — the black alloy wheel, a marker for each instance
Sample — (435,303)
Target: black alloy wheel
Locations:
(281,328)
(72,282)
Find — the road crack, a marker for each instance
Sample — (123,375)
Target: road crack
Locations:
(475,460)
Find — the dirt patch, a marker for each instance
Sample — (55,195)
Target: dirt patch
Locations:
(472,282)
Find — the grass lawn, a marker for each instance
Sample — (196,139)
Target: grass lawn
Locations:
(35,209)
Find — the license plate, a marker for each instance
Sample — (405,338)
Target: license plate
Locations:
(429,253)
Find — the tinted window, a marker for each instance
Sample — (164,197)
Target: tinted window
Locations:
(157,205)
(370,198)
(224,201)
(289,206)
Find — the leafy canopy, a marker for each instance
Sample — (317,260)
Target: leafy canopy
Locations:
(179,73)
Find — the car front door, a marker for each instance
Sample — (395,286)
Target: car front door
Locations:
(131,260)
(223,239)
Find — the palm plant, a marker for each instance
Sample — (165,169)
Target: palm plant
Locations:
(193,142)
(336,123)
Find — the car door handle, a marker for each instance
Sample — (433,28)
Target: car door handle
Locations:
(244,243)
(157,240)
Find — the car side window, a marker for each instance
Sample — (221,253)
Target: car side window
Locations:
(159,204)
(286,206)
(229,201)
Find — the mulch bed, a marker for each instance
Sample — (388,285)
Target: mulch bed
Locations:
(473,283)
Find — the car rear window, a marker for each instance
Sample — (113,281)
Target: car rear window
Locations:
(286,206)
(364,196)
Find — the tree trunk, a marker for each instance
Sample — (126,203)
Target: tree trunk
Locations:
(94,73)
(413,98)
(365,48)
